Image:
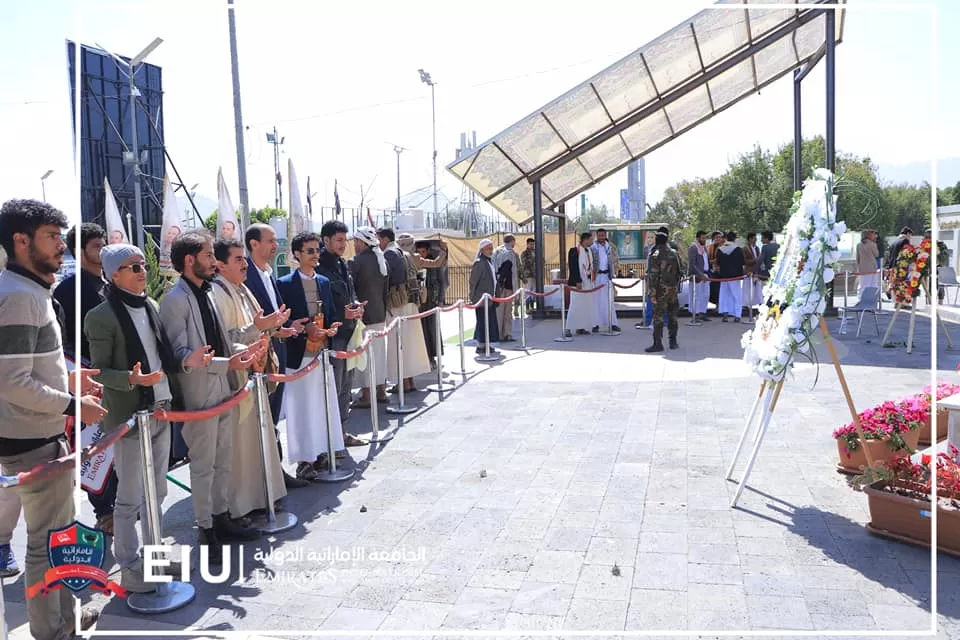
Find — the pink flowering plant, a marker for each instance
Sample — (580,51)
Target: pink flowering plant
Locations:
(944,390)
(903,476)
(889,420)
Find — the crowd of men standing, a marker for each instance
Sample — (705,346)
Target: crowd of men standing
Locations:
(227,316)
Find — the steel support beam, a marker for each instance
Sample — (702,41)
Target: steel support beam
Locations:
(562,229)
(538,247)
(797,133)
(831,59)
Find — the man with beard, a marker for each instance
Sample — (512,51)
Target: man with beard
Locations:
(346,310)
(608,262)
(698,264)
(92,240)
(262,247)
(246,325)
(191,320)
(135,359)
(35,397)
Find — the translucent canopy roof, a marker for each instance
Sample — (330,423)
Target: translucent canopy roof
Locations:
(663,89)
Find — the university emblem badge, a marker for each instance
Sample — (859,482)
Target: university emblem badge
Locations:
(76,554)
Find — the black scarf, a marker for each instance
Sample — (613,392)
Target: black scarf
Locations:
(117,298)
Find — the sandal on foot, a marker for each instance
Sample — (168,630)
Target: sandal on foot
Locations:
(351,440)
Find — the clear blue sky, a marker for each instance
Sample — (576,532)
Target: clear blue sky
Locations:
(342,83)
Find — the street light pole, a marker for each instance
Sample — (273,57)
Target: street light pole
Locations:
(396,215)
(238,119)
(134,153)
(426,79)
(43,183)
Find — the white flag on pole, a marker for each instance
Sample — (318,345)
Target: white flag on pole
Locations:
(296,221)
(226,215)
(171,223)
(116,233)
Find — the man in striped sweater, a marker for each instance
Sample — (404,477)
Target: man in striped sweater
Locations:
(35,397)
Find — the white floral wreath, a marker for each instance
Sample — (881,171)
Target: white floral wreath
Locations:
(795,294)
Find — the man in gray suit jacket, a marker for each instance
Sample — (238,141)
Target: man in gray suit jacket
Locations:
(190,320)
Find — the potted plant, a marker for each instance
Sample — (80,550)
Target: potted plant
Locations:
(942,418)
(890,428)
(898,494)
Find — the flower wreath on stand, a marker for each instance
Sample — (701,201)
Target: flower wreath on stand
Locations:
(913,264)
(797,295)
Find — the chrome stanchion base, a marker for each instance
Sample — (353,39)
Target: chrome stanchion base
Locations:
(437,387)
(334,476)
(169,596)
(401,409)
(609,332)
(282,521)
(563,339)
(693,322)
(493,357)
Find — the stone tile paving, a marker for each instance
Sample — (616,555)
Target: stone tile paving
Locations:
(581,486)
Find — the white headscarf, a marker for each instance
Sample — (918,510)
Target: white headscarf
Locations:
(406,242)
(368,235)
(483,243)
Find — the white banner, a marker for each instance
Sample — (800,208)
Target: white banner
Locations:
(95,471)
(296,221)
(171,223)
(227,225)
(116,232)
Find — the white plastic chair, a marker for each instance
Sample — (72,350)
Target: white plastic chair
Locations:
(866,304)
(947,279)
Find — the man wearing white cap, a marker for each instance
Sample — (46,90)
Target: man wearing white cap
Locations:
(369,271)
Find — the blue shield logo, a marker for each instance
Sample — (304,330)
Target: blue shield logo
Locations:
(74,545)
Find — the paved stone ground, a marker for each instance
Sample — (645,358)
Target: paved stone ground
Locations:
(521,496)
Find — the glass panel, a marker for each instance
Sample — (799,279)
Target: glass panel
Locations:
(606,157)
(625,87)
(648,133)
(490,172)
(688,109)
(810,37)
(568,180)
(531,143)
(516,203)
(763,21)
(672,58)
(460,168)
(578,116)
(772,60)
(732,84)
(720,32)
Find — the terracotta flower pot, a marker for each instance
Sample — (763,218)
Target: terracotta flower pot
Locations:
(880,451)
(942,422)
(909,520)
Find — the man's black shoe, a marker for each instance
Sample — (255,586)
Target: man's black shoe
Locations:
(596,329)
(615,329)
(294,483)
(673,344)
(228,530)
(655,347)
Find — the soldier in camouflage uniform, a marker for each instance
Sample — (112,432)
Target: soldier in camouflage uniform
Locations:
(663,281)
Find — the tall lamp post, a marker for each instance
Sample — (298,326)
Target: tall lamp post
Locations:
(427,80)
(43,183)
(398,149)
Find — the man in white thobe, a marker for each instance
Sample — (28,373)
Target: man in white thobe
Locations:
(698,266)
(606,258)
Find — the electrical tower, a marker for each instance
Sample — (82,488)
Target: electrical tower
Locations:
(277,141)
(469,205)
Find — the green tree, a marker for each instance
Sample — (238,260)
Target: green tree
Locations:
(594,214)
(263,215)
(908,206)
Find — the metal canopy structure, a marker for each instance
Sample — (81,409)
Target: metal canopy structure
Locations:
(689,74)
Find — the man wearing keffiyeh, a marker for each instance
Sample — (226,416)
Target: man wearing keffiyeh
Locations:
(369,271)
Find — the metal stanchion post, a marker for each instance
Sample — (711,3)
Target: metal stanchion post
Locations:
(401,408)
(332,474)
(610,307)
(693,303)
(171,595)
(846,287)
(440,386)
(271,521)
(376,437)
(486,357)
(463,355)
(563,316)
(522,294)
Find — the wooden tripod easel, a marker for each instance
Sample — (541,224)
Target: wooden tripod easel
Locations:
(913,314)
(769,394)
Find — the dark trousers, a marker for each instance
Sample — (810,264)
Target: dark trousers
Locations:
(429,325)
(103,503)
(478,332)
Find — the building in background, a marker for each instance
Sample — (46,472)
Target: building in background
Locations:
(633,199)
(105,128)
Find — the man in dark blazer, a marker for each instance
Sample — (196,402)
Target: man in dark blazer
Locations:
(371,283)
(768,254)
(262,247)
